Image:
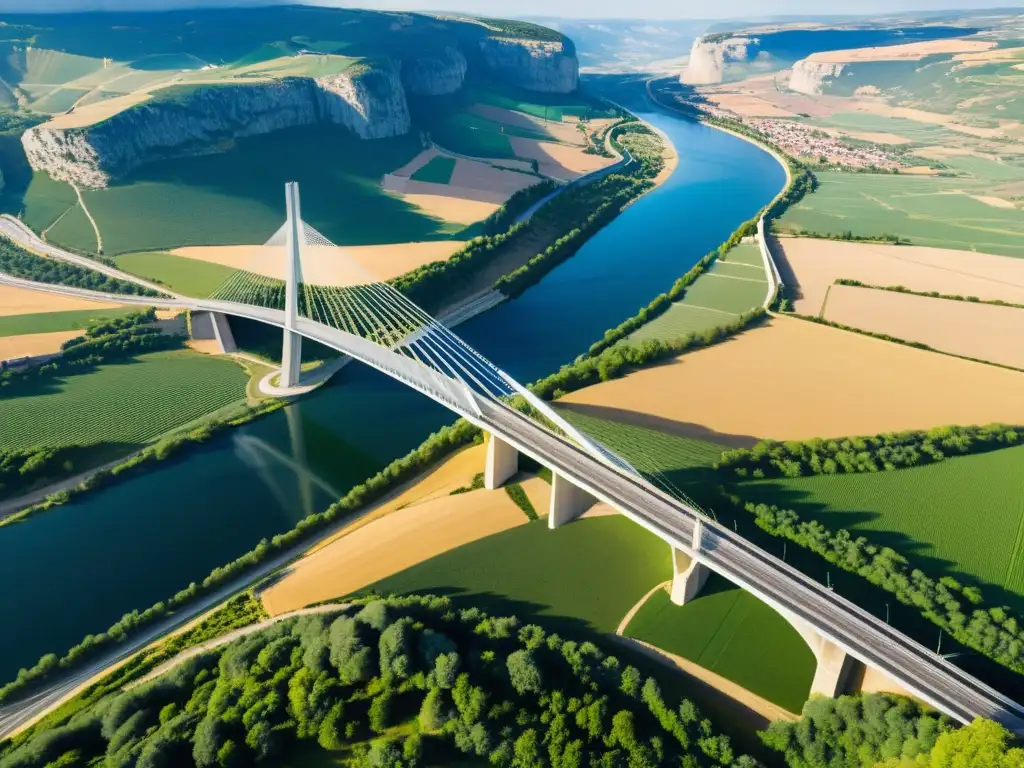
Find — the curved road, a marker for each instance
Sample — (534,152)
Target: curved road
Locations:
(920,670)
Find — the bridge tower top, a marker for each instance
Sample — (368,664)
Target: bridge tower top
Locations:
(294,240)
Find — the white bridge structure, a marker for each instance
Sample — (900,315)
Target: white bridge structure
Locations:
(375,324)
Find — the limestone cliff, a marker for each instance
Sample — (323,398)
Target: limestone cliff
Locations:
(369,100)
(545,66)
(435,75)
(813,77)
(709,57)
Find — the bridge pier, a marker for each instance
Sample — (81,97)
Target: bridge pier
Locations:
(222,332)
(688,577)
(502,463)
(568,501)
(291,359)
(834,665)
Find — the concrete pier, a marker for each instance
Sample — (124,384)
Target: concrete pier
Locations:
(502,463)
(291,360)
(568,501)
(689,576)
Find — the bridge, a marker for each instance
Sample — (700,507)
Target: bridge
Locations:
(373,323)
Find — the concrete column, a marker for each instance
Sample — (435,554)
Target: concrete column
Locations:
(291,356)
(291,359)
(833,670)
(502,463)
(688,577)
(222,332)
(568,501)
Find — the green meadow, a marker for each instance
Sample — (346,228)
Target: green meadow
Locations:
(930,211)
(126,403)
(190,277)
(51,322)
(437,171)
(731,633)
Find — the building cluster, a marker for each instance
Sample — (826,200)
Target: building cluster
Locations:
(806,141)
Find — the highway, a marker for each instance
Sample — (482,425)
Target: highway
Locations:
(920,670)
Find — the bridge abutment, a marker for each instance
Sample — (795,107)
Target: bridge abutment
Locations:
(502,463)
(689,576)
(222,333)
(568,501)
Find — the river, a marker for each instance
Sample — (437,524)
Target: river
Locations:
(78,568)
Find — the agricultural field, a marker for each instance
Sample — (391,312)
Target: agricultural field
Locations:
(237,197)
(719,296)
(554,107)
(467,134)
(963,516)
(810,267)
(835,368)
(930,211)
(968,329)
(543,575)
(190,277)
(438,170)
(730,632)
(52,322)
(125,403)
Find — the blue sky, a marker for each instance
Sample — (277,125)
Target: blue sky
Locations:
(654,9)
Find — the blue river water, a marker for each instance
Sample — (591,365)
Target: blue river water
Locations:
(78,568)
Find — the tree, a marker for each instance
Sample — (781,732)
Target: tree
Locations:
(394,645)
(380,712)
(384,753)
(630,684)
(207,742)
(432,716)
(330,734)
(527,750)
(523,672)
(983,743)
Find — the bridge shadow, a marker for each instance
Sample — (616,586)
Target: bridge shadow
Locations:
(51,385)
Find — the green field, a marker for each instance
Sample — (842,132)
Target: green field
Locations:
(963,516)
(237,197)
(74,227)
(437,171)
(936,212)
(732,633)
(190,277)
(545,106)
(125,403)
(539,574)
(51,322)
(719,296)
(861,122)
(468,134)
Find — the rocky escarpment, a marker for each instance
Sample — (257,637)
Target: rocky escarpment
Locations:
(368,100)
(436,75)
(545,66)
(709,57)
(813,77)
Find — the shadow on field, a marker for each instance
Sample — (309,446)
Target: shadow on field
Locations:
(660,424)
(55,385)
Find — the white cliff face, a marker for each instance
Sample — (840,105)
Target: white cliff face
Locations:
(435,75)
(812,77)
(537,66)
(371,102)
(708,59)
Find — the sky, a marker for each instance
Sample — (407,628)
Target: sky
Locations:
(634,9)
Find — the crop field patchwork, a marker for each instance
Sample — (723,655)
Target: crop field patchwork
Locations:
(191,277)
(727,290)
(928,211)
(50,322)
(127,403)
(559,106)
(437,171)
(543,575)
(964,515)
(731,633)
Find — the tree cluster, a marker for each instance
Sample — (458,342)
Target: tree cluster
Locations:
(107,342)
(992,631)
(929,294)
(22,469)
(17,262)
(515,206)
(884,452)
(856,731)
(396,683)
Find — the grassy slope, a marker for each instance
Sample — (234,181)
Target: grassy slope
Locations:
(125,403)
(236,197)
(735,635)
(437,171)
(190,277)
(50,322)
(928,211)
(727,290)
(964,515)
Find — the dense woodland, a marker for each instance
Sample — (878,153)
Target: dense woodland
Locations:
(888,451)
(885,731)
(17,262)
(397,682)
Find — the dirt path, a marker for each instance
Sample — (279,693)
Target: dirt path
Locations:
(620,630)
(95,228)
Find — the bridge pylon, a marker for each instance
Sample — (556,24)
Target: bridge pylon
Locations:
(291,355)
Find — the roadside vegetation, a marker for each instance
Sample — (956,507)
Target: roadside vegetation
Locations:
(392,682)
(17,262)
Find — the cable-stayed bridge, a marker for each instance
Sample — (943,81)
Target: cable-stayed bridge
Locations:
(375,324)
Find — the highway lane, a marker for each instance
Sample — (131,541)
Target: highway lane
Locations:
(867,638)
